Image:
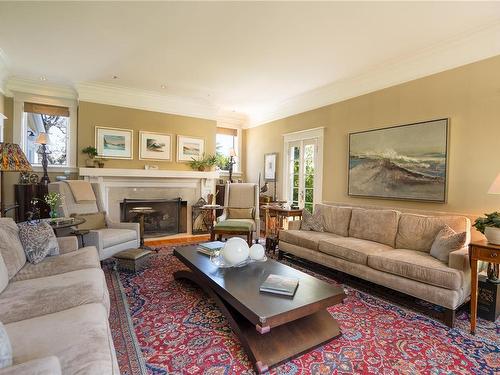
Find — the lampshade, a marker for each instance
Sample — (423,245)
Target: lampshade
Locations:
(42,139)
(12,158)
(495,186)
(232,152)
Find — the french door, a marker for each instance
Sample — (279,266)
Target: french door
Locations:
(303,169)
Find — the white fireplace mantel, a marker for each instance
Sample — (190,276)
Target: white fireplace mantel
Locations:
(146,173)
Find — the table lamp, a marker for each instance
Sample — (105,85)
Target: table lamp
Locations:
(12,159)
(43,139)
(232,155)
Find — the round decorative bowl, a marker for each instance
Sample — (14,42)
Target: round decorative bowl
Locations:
(218,260)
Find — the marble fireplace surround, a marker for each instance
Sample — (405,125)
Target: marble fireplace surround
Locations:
(117,184)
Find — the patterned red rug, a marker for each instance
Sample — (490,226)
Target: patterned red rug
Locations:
(162,326)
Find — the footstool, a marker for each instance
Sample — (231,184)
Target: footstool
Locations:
(233,227)
(133,260)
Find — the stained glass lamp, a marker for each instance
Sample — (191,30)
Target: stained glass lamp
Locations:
(12,159)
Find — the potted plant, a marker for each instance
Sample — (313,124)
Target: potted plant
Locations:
(91,152)
(52,199)
(490,227)
(203,163)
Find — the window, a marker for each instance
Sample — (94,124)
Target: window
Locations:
(55,122)
(227,143)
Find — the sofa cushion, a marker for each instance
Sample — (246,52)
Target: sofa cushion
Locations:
(419,266)
(79,337)
(81,259)
(352,249)
(304,238)
(111,237)
(335,218)
(38,241)
(40,366)
(418,232)
(374,225)
(447,241)
(4,275)
(31,298)
(5,348)
(10,246)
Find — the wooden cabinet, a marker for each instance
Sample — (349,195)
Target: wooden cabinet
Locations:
(24,194)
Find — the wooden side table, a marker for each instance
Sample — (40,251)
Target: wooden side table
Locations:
(480,250)
(281,216)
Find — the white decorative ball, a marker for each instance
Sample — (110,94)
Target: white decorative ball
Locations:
(235,252)
(257,251)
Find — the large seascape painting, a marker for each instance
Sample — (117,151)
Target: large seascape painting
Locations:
(401,162)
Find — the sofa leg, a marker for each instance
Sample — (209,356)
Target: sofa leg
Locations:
(449,317)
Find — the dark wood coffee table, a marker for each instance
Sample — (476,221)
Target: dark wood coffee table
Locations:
(271,328)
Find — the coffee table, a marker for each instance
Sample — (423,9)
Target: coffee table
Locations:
(271,328)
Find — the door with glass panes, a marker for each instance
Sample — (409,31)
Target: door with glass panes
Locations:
(302,173)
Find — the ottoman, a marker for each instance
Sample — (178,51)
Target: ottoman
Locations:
(133,260)
(233,227)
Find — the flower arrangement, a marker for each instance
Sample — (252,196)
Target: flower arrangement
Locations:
(53,199)
(207,161)
(490,220)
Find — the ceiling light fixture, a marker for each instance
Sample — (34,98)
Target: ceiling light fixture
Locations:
(163,86)
(114,77)
(43,78)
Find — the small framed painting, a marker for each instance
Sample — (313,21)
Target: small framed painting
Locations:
(155,146)
(270,161)
(114,143)
(189,148)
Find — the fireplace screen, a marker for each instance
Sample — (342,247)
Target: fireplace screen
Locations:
(165,218)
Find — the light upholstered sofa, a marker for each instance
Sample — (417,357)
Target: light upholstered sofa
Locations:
(55,312)
(390,248)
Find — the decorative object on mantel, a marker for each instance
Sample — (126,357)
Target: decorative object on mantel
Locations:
(202,164)
(91,152)
(155,146)
(151,167)
(114,143)
(43,140)
(189,148)
(12,159)
(401,162)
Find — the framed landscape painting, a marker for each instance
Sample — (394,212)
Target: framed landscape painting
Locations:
(401,162)
(114,143)
(189,148)
(155,146)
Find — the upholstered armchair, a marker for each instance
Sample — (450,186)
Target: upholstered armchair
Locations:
(109,240)
(241,205)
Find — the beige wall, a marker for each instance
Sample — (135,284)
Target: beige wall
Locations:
(2,106)
(91,115)
(469,96)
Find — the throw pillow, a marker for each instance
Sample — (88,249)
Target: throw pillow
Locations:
(447,240)
(38,241)
(240,213)
(5,348)
(11,247)
(93,221)
(311,222)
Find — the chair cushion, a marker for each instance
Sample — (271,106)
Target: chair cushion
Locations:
(93,221)
(352,249)
(236,225)
(79,337)
(10,246)
(38,241)
(335,218)
(374,225)
(447,241)
(240,213)
(418,232)
(304,238)
(111,237)
(419,266)
(84,258)
(36,297)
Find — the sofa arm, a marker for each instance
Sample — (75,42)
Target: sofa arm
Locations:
(131,226)
(459,260)
(67,244)
(40,366)
(94,238)
(294,224)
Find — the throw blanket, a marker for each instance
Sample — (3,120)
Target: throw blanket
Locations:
(82,190)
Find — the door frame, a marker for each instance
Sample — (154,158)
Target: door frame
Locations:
(303,135)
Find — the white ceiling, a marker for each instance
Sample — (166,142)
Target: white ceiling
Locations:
(252,58)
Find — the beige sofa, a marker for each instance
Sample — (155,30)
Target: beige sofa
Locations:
(390,248)
(55,312)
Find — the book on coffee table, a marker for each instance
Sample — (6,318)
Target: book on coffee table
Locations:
(209,248)
(280,285)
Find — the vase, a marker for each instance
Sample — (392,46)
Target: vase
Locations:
(492,235)
(53,215)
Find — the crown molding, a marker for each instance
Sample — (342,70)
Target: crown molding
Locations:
(146,100)
(461,50)
(231,119)
(30,86)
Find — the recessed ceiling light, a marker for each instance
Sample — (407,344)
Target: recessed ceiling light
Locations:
(43,78)
(114,77)
(163,86)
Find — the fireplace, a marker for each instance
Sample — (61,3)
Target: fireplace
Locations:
(169,216)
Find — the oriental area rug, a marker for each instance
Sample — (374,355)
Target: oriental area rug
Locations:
(163,326)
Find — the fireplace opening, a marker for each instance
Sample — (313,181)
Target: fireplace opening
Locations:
(168,216)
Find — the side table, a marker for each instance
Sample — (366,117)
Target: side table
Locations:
(484,251)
